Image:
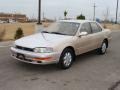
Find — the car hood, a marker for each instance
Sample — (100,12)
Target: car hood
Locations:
(41,40)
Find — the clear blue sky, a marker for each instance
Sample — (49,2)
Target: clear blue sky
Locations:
(55,8)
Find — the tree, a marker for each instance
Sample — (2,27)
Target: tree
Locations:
(65,14)
(19,33)
(106,14)
(82,17)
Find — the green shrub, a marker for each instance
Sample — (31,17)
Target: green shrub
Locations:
(19,33)
(82,17)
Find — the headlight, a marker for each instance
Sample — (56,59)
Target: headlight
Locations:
(43,50)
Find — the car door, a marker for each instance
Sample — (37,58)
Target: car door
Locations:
(85,43)
(97,34)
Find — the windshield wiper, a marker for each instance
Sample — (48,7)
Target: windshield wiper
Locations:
(58,33)
(53,32)
(45,32)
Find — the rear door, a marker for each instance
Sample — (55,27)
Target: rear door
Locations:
(97,34)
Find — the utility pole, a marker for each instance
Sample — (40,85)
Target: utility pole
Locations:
(94,7)
(39,12)
(43,16)
(117,12)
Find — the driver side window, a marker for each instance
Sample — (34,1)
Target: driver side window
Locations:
(86,28)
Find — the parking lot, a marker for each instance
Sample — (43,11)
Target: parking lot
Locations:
(89,72)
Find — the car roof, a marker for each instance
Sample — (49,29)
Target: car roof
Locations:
(76,21)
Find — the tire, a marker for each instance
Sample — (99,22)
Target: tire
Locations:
(102,50)
(66,59)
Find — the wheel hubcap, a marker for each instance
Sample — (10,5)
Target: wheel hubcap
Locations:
(104,47)
(67,59)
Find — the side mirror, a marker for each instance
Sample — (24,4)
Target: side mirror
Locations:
(83,34)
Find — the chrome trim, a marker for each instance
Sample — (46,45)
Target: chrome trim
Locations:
(31,55)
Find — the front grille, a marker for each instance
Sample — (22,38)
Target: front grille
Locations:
(24,48)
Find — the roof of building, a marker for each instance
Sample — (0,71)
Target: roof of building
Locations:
(12,15)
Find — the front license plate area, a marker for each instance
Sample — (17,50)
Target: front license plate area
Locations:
(20,56)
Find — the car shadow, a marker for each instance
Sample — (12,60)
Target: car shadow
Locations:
(86,56)
(37,68)
(52,67)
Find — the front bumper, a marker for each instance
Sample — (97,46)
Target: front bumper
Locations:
(30,56)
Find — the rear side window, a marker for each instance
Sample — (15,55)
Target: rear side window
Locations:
(86,28)
(95,27)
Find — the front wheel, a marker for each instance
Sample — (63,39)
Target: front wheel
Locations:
(103,48)
(66,59)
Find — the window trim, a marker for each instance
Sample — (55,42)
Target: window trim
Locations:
(97,26)
(89,25)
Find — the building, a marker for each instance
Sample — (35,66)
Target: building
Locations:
(47,20)
(15,17)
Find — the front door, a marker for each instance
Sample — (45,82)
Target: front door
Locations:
(85,43)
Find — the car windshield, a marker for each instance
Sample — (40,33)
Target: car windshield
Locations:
(63,28)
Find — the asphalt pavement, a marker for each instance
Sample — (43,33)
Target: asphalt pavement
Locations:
(89,72)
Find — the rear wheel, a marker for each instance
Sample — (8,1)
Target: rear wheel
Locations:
(103,48)
(66,59)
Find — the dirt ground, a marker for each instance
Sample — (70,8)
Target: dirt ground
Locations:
(111,26)
(10,29)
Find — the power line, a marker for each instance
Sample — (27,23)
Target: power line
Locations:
(117,12)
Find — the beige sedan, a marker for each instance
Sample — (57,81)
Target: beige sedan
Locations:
(62,42)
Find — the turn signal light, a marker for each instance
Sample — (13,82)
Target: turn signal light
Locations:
(39,59)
